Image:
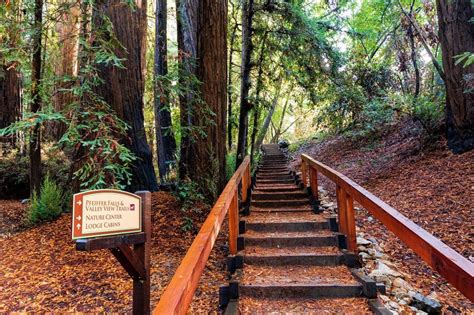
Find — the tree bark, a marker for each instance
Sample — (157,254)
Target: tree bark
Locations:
(268,118)
(10,101)
(35,135)
(210,153)
(257,106)
(165,142)
(67,28)
(456,33)
(229,83)
(411,38)
(123,88)
(186,14)
(246,67)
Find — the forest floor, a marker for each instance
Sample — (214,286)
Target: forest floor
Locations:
(40,270)
(421,179)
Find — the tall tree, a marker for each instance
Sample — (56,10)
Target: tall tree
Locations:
(456,33)
(123,87)
(212,73)
(35,134)
(268,118)
(233,37)
(165,142)
(246,67)
(10,102)
(186,14)
(67,28)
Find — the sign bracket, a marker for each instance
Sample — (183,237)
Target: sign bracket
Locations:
(135,259)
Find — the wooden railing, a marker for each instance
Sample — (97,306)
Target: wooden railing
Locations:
(179,293)
(456,269)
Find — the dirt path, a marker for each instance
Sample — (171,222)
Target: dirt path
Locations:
(433,188)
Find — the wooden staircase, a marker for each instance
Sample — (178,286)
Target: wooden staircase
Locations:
(291,257)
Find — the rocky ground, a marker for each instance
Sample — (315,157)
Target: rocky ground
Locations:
(400,296)
(425,182)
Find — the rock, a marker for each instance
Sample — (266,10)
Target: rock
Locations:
(402,302)
(363,241)
(384,298)
(25,201)
(393,305)
(426,304)
(364,256)
(471,258)
(402,284)
(386,270)
(373,240)
(380,278)
(370,219)
(378,254)
(419,312)
(362,249)
(433,295)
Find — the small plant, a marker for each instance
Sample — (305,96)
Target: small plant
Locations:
(188,193)
(48,205)
(187,224)
(429,113)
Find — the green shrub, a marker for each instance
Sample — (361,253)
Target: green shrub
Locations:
(188,193)
(15,168)
(429,113)
(50,203)
(230,165)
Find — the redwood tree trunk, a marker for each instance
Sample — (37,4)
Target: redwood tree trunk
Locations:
(247,48)
(35,135)
(68,32)
(10,102)
(165,142)
(123,88)
(210,153)
(186,13)
(456,33)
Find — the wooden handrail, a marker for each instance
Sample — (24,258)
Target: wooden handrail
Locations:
(179,293)
(452,266)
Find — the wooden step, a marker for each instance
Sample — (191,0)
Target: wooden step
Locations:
(289,195)
(280,203)
(275,177)
(287,226)
(299,281)
(306,255)
(298,305)
(296,210)
(288,239)
(274,181)
(277,188)
(277,217)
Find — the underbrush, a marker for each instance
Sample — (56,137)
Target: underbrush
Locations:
(191,200)
(380,114)
(49,205)
(14,171)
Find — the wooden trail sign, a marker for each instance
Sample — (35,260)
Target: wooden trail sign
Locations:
(121,222)
(105,212)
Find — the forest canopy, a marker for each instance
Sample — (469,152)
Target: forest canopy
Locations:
(142,94)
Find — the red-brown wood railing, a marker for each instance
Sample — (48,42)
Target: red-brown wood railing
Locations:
(179,293)
(456,269)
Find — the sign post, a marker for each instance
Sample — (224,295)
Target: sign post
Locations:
(121,222)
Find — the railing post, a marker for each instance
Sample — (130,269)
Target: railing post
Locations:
(244,188)
(351,228)
(313,178)
(304,176)
(233,224)
(341,209)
